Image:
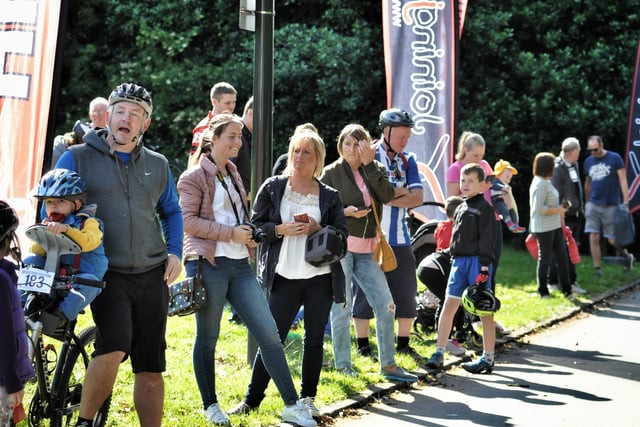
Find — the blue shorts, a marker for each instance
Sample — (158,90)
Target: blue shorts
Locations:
(464,271)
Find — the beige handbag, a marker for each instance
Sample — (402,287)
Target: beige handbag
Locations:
(383,253)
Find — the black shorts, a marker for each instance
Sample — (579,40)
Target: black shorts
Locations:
(131,316)
(402,284)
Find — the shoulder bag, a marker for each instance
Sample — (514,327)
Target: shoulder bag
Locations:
(383,253)
(189,295)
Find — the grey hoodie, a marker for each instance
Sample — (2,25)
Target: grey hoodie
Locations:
(128,198)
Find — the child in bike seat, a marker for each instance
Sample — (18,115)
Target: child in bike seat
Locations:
(15,365)
(63,194)
(499,188)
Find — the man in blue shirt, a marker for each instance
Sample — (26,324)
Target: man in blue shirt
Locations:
(605,188)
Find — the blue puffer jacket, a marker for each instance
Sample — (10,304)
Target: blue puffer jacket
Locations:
(15,366)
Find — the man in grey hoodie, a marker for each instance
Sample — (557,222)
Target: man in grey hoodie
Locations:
(138,204)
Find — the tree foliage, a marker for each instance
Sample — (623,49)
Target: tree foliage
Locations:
(531,73)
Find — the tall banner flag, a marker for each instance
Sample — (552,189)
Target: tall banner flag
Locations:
(633,141)
(28,36)
(420,43)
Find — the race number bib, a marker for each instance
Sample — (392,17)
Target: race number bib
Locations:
(35,280)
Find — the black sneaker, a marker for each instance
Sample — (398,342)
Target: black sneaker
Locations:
(366,351)
(436,361)
(410,351)
(478,366)
(241,409)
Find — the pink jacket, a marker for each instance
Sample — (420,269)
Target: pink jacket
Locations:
(197,187)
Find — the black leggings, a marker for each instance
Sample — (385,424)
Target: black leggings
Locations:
(287,296)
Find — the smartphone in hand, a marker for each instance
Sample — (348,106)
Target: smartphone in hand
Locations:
(303,217)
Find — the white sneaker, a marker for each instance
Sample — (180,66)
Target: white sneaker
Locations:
(309,403)
(215,415)
(298,414)
(577,289)
(454,347)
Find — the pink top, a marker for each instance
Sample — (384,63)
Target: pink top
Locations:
(453,175)
(356,244)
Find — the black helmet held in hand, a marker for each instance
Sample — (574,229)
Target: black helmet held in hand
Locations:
(395,117)
(132,92)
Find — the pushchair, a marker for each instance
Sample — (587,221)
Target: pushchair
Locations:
(433,271)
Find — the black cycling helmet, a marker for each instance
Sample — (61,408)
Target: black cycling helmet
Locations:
(395,117)
(61,184)
(133,93)
(8,220)
(480,301)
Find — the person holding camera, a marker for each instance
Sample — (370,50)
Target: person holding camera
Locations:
(289,207)
(547,216)
(219,238)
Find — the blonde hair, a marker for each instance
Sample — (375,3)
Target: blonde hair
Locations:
(318,149)
(467,141)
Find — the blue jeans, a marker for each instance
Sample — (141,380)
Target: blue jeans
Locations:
(373,283)
(234,280)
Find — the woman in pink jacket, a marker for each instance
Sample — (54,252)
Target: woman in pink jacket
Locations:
(220,239)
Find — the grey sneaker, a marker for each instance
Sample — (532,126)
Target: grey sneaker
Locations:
(215,415)
(348,371)
(309,403)
(454,347)
(398,374)
(298,414)
(628,262)
(436,361)
(577,289)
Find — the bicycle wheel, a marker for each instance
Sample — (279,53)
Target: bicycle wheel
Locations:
(66,407)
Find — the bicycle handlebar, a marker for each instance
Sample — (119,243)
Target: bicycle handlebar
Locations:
(66,282)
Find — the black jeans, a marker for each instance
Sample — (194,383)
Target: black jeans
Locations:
(575,224)
(552,249)
(287,296)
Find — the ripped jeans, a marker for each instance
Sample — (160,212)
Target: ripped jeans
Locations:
(373,283)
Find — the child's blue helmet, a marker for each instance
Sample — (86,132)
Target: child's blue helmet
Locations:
(61,184)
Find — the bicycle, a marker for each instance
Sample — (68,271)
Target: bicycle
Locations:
(59,373)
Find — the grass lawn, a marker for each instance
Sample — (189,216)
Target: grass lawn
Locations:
(521,308)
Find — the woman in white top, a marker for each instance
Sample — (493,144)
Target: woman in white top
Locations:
(288,208)
(547,216)
(218,238)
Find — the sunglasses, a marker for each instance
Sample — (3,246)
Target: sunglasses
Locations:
(592,150)
(396,171)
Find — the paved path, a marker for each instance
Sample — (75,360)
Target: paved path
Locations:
(582,372)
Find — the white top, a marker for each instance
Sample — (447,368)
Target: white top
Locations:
(225,215)
(291,263)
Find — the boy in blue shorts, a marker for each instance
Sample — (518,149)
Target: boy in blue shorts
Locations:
(472,240)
